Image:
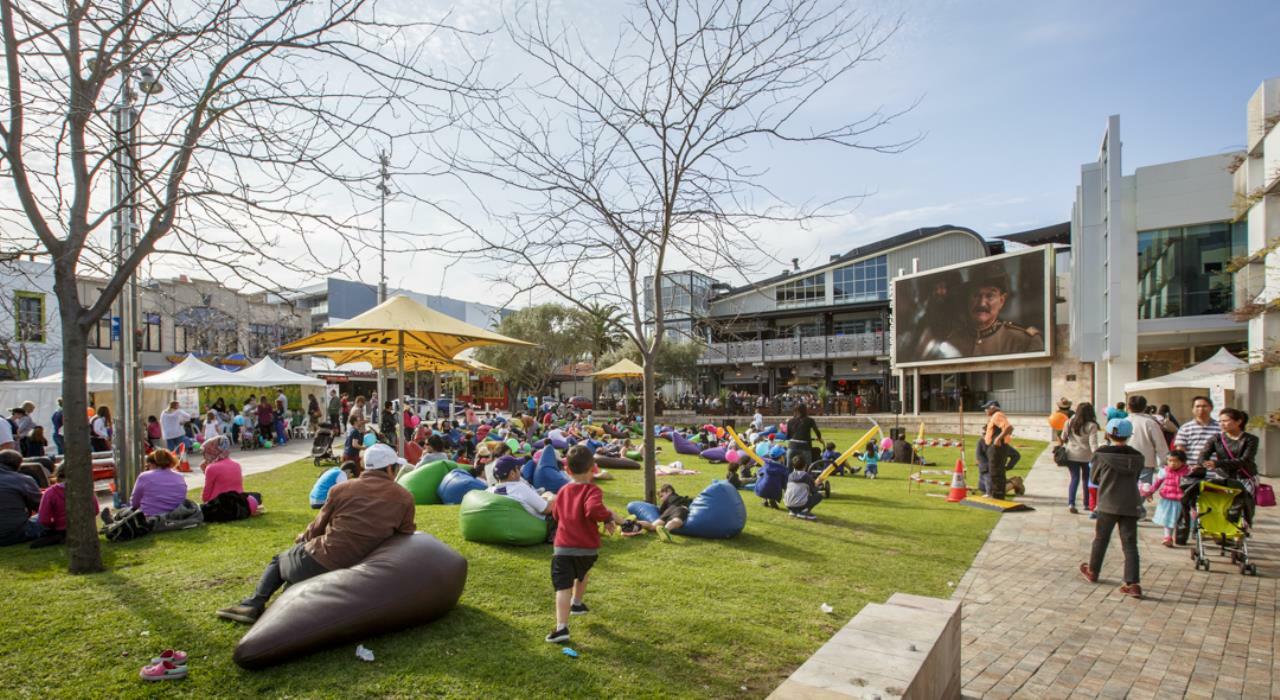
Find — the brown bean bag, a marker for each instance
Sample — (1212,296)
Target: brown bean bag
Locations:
(408,580)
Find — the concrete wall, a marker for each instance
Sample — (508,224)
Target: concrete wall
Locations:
(1183,193)
(36,277)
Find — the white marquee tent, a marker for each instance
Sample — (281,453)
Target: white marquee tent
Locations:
(192,373)
(45,392)
(268,373)
(1215,376)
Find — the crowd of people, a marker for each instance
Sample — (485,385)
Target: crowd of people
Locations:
(1138,453)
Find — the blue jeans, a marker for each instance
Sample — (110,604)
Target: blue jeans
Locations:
(172,444)
(28,531)
(60,442)
(1078,470)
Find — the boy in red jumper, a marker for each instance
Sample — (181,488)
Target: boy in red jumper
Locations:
(579,506)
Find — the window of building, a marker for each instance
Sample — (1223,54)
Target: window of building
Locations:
(100,334)
(184,339)
(1183,271)
(151,332)
(260,339)
(857,325)
(866,280)
(28,315)
(803,292)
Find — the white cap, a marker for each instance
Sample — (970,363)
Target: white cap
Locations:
(381,456)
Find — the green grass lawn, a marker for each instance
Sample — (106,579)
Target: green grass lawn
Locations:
(691,618)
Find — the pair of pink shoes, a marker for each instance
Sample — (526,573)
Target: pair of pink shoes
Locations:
(171,665)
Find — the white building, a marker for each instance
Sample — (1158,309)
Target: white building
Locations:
(1257,191)
(1151,286)
(30,329)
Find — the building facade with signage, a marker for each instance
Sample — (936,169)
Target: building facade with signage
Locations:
(826,326)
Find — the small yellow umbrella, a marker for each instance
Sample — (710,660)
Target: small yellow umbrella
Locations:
(622,369)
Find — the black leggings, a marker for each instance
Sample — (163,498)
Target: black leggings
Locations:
(1128,525)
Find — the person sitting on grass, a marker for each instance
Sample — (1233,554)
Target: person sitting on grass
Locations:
(732,476)
(673,512)
(830,455)
(578,510)
(159,489)
(19,498)
(330,478)
(802,491)
(357,517)
(52,514)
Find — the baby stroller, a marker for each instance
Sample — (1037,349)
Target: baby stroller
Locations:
(322,446)
(1214,519)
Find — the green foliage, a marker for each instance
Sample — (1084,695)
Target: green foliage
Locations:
(555,329)
(235,396)
(745,615)
(599,326)
(676,360)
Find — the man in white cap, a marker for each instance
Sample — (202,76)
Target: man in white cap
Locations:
(359,515)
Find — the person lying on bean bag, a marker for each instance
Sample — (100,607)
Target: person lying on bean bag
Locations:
(539,505)
(358,515)
(673,512)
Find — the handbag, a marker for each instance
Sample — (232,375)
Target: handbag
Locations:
(1264,496)
(1060,455)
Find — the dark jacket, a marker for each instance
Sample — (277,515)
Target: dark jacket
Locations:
(1230,456)
(19,498)
(1115,471)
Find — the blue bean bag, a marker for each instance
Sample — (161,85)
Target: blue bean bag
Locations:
(643,510)
(717,513)
(526,471)
(771,479)
(559,443)
(456,484)
(547,474)
(683,445)
(713,454)
(538,444)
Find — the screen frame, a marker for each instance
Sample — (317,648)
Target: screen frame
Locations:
(1047,251)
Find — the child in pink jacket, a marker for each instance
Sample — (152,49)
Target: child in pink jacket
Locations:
(1167,486)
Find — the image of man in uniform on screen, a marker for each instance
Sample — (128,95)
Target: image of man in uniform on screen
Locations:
(985,333)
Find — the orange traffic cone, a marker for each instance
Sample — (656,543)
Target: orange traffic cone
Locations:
(959,491)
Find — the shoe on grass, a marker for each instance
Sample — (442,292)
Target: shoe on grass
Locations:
(163,671)
(106,516)
(558,636)
(1132,590)
(1090,576)
(579,609)
(241,613)
(662,532)
(177,658)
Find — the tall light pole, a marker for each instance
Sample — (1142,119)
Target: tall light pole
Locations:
(384,190)
(126,438)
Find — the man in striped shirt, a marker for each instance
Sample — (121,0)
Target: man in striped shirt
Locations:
(1195,434)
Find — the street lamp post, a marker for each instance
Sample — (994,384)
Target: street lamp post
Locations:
(126,439)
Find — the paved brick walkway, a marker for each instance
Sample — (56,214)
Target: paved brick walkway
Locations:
(1034,629)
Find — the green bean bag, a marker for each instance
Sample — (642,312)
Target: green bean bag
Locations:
(424,481)
(489,517)
(637,455)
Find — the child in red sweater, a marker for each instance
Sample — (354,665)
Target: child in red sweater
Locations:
(579,506)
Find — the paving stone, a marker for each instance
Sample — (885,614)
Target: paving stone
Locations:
(1033,628)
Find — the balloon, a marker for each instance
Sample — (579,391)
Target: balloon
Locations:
(370,439)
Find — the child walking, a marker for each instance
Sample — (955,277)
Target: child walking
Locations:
(579,507)
(1168,486)
(1115,469)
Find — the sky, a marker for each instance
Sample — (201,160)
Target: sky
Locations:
(1013,98)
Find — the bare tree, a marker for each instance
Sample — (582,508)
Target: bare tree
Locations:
(636,156)
(230,127)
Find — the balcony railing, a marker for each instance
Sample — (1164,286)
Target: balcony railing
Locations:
(785,349)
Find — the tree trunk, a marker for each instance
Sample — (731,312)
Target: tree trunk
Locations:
(82,531)
(650,448)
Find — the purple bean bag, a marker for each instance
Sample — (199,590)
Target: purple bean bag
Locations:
(714,454)
(683,445)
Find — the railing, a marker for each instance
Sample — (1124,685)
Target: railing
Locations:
(782,349)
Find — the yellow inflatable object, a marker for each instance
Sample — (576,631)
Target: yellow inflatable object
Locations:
(920,434)
(826,474)
(742,446)
(862,441)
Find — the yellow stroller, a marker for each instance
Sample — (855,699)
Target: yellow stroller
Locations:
(1212,524)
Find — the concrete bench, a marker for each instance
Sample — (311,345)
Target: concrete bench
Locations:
(908,647)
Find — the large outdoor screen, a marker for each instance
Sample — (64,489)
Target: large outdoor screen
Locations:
(994,308)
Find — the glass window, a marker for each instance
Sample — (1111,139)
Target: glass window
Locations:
(28,315)
(100,334)
(151,332)
(803,292)
(858,325)
(1183,271)
(260,339)
(183,339)
(865,280)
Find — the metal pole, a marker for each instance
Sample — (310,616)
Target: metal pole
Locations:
(384,177)
(125,438)
(400,390)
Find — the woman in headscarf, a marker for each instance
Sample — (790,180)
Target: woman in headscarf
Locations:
(221,473)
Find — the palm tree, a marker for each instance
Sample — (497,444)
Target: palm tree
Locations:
(600,324)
